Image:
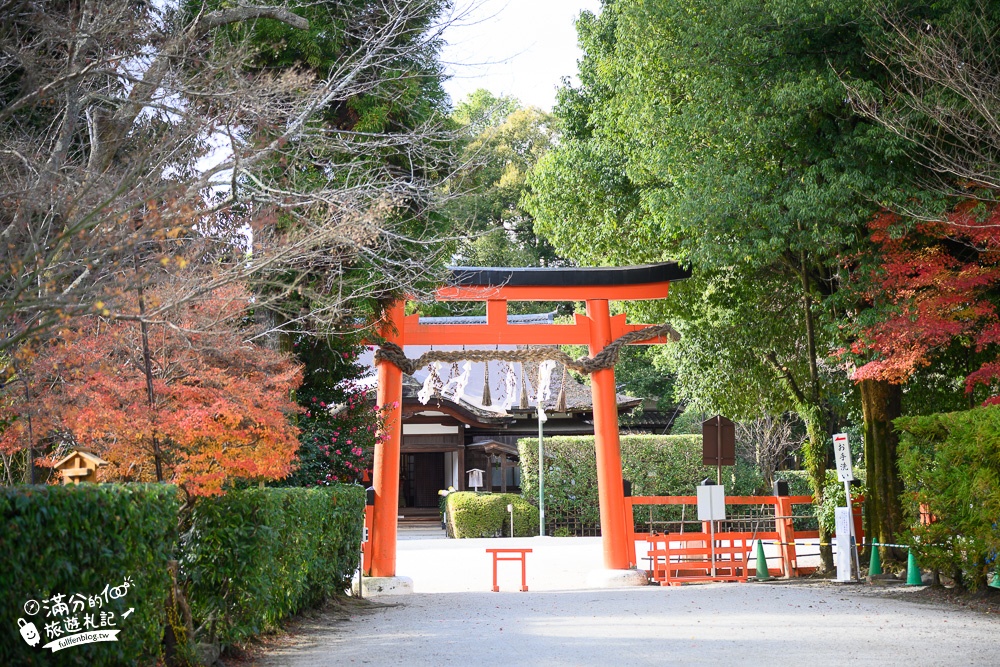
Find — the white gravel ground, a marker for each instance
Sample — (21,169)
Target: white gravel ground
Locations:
(453,619)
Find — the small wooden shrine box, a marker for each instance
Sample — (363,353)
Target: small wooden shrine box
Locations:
(79,466)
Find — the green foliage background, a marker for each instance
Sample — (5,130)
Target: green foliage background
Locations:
(329,443)
(657,465)
(950,463)
(255,556)
(78,539)
(248,559)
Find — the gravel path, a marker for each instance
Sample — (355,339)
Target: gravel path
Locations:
(780,623)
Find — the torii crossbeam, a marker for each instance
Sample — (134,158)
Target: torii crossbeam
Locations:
(496,286)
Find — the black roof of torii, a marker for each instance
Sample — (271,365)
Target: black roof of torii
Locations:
(475,276)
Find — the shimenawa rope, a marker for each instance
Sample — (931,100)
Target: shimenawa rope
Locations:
(606,358)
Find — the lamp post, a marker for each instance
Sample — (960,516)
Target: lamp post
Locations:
(541,478)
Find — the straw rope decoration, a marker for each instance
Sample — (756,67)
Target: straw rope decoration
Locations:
(524,402)
(606,358)
(561,398)
(487,399)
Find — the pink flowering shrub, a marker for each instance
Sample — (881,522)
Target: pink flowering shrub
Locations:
(340,424)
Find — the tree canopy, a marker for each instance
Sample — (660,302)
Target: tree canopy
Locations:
(721,134)
(213,408)
(504,141)
(152,156)
(181,138)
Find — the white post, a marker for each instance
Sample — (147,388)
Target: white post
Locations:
(853,537)
(541,479)
(845,473)
(711,530)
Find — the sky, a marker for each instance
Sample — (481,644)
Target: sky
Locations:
(513,47)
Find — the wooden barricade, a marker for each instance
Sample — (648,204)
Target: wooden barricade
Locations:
(677,557)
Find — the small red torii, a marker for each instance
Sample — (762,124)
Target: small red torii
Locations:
(496,286)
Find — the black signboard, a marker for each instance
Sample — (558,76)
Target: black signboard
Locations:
(718,442)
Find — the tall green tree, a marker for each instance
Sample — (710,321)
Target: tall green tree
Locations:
(719,133)
(391,149)
(500,142)
(504,142)
(403,97)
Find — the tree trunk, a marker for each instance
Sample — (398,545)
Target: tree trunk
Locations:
(812,414)
(880,404)
(147,368)
(815,452)
(808,405)
(30,471)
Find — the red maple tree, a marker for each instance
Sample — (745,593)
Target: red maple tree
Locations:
(935,286)
(220,404)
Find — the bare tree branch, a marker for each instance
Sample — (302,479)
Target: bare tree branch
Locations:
(140,131)
(942,94)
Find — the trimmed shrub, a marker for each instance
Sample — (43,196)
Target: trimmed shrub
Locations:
(485,515)
(69,540)
(657,465)
(255,556)
(950,464)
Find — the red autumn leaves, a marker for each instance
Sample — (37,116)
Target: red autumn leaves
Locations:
(220,402)
(934,288)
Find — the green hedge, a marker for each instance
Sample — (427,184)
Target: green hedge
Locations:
(657,465)
(78,539)
(485,515)
(248,559)
(255,556)
(950,463)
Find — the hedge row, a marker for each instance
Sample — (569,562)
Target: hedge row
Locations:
(950,464)
(657,465)
(253,557)
(247,559)
(77,540)
(485,515)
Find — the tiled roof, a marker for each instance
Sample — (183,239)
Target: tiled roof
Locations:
(411,387)
(578,395)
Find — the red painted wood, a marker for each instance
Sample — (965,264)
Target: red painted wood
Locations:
(510,554)
(643,292)
(386,467)
(609,459)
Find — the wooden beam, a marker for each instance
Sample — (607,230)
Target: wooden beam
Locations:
(641,292)
(502,333)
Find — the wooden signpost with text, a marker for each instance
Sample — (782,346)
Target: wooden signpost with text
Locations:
(847,544)
(718,444)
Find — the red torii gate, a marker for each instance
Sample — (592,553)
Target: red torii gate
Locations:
(496,286)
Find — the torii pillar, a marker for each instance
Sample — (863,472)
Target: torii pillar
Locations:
(610,485)
(389,397)
(496,286)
